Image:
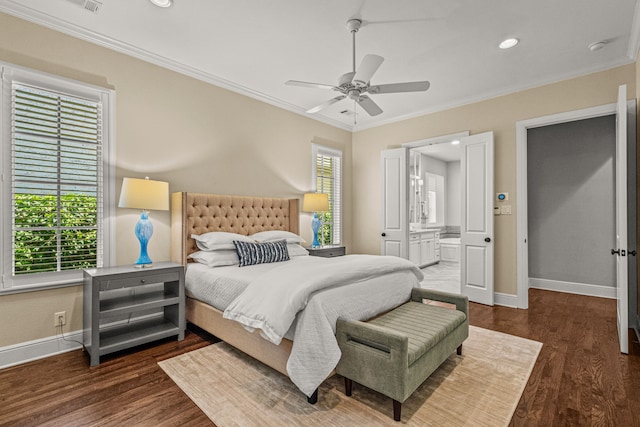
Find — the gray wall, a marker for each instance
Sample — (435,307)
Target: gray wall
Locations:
(571,190)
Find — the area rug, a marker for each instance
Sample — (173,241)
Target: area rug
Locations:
(480,388)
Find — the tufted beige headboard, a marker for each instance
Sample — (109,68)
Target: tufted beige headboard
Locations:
(194,213)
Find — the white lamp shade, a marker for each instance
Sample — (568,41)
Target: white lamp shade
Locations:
(144,194)
(315,202)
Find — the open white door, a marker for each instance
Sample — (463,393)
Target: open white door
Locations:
(621,220)
(476,219)
(395,220)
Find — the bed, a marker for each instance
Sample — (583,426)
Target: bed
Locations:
(196,214)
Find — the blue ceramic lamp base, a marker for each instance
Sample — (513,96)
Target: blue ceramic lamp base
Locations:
(144,231)
(315,227)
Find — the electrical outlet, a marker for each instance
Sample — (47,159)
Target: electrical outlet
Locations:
(60,318)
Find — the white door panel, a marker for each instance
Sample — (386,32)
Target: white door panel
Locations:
(476,231)
(395,220)
(621,220)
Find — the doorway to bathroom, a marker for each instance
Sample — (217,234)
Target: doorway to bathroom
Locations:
(434,205)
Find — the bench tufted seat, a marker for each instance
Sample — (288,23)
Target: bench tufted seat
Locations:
(394,353)
(424,325)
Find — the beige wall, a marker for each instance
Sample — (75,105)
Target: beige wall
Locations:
(194,135)
(498,115)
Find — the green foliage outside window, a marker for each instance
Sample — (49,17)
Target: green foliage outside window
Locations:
(40,236)
(326,232)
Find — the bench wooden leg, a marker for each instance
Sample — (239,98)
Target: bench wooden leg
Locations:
(348,386)
(313,399)
(397,408)
(459,350)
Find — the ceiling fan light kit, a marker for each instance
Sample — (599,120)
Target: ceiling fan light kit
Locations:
(356,83)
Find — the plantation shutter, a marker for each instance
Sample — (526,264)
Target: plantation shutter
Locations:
(328,167)
(56,186)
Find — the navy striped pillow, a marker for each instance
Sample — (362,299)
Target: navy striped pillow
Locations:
(261,253)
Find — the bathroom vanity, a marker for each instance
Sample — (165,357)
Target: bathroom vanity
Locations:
(424,247)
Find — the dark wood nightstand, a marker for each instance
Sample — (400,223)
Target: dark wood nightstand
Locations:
(327,251)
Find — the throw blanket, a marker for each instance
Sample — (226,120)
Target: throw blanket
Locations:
(271,303)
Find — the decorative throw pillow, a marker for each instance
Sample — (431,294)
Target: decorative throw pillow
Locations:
(260,253)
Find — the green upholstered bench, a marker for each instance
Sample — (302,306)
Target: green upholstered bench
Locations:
(394,353)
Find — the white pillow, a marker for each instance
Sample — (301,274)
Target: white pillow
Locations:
(216,258)
(218,240)
(295,249)
(273,235)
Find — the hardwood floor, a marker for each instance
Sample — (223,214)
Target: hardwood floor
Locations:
(126,389)
(580,377)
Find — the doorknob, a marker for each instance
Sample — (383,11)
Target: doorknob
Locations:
(487,239)
(632,253)
(613,252)
(383,234)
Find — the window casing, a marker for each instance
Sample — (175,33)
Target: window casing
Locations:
(57,180)
(327,178)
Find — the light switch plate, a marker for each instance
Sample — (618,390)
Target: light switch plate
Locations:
(505,210)
(496,210)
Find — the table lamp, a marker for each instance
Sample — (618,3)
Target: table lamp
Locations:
(144,194)
(315,202)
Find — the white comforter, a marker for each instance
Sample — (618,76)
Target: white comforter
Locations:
(272,302)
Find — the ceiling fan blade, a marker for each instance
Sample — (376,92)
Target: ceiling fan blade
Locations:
(308,84)
(367,68)
(399,87)
(326,104)
(368,105)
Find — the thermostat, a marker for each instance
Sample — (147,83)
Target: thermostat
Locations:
(501,197)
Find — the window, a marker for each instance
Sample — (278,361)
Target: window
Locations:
(435,199)
(56,187)
(327,173)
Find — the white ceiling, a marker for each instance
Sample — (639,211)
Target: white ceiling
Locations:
(254,46)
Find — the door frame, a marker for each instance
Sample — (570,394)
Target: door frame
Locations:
(522,248)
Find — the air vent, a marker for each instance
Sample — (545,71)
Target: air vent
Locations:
(90,5)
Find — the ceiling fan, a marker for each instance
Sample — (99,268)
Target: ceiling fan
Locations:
(355,84)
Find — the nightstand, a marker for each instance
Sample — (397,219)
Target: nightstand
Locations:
(327,251)
(128,306)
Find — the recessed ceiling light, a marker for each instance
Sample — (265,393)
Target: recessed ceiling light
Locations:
(597,46)
(508,43)
(455,142)
(162,3)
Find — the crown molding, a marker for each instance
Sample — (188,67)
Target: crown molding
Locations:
(508,90)
(634,37)
(13,8)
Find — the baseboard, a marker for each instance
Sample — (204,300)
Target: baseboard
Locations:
(17,354)
(573,288)
(24,352)
(506,300)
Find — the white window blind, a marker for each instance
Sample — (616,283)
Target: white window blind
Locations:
(57,208)
(328,179)
(57,170)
